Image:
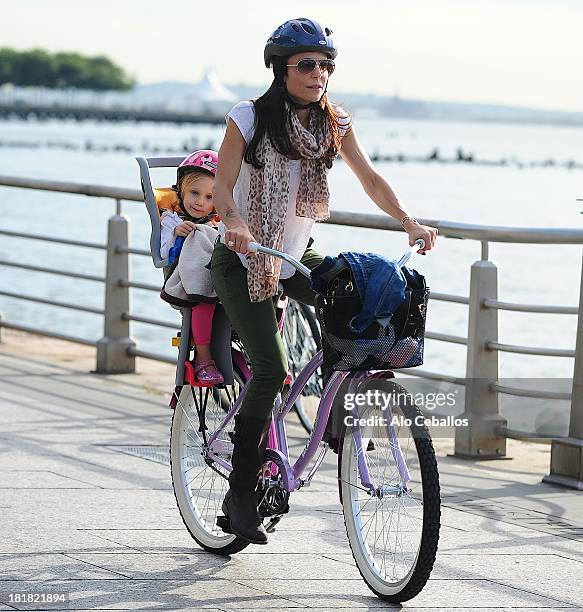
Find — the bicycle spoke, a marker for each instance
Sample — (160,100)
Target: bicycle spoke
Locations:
(199,482)
(387,527)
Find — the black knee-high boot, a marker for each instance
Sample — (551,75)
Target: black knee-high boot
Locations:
(240,504)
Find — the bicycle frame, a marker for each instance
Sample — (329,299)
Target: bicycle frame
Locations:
(277,442)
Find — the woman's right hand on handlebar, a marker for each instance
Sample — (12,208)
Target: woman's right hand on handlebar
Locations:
(238,238)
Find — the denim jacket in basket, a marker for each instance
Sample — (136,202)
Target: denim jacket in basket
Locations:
(380,284)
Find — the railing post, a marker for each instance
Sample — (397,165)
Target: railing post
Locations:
(112,349)
(480,439)
(567,453)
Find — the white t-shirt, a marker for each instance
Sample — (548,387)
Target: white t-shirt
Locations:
(168,222)
(297,230)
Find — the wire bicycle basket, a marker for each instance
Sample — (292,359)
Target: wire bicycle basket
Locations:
(396,343)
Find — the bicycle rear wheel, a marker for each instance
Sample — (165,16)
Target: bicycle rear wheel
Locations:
(393,533)
(302,338)
(199,482)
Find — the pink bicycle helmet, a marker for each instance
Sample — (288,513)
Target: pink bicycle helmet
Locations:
(204,160)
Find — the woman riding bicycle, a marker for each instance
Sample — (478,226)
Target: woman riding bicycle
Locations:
(271,186)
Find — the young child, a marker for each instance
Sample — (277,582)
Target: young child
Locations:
(194,206)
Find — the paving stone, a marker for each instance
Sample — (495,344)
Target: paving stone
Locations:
(213,594)
(529,572)
(198,566)
(39,479)
(438,594)
(103,525)
(153,541)
(27,566)
(51,539)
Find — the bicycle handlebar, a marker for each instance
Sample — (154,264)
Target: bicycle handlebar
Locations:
(419,244)
(255,247)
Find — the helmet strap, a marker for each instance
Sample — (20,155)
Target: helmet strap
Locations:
(188,217)
(184,214)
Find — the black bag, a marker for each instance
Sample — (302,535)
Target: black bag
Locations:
(399,344)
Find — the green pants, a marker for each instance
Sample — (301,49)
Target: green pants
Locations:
(256,324)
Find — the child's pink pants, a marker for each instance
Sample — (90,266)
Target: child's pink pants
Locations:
(202,323)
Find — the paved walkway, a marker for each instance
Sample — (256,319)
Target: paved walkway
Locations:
(86,508)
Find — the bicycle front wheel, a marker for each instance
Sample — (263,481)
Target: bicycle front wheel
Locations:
(394,531)
(199,482)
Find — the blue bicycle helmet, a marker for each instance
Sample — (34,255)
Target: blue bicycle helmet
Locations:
(297,35)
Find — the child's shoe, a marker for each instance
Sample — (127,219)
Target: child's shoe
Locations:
(207,372)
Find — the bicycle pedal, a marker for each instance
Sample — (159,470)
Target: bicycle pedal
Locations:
(224,523)
(271,525)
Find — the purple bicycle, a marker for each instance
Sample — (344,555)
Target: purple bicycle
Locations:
(388,479)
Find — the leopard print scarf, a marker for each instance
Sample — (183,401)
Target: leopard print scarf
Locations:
(269,196)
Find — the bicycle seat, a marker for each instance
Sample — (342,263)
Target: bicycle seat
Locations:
(159,198)
(152,206)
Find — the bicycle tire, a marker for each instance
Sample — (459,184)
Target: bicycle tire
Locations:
(414,580)
(201,522)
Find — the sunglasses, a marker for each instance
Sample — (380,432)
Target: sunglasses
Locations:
(306,66)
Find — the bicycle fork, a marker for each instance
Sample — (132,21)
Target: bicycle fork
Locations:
(367,481)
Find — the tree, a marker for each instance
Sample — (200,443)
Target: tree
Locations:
(72,70)
(104,74)
(36,67)
(7,62)
(61,70)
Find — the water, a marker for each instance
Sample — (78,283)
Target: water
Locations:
(531,196)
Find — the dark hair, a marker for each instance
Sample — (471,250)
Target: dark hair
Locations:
(272,118)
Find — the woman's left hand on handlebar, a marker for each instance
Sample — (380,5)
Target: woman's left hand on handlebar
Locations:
(425,232)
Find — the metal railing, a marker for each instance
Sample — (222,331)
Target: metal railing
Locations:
(487,433)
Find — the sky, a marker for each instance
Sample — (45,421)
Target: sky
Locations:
(513,52)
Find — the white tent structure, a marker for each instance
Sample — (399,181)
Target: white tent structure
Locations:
(209,95)
(210,89)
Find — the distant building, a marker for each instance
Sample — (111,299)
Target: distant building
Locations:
(209,95)
(211,89)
